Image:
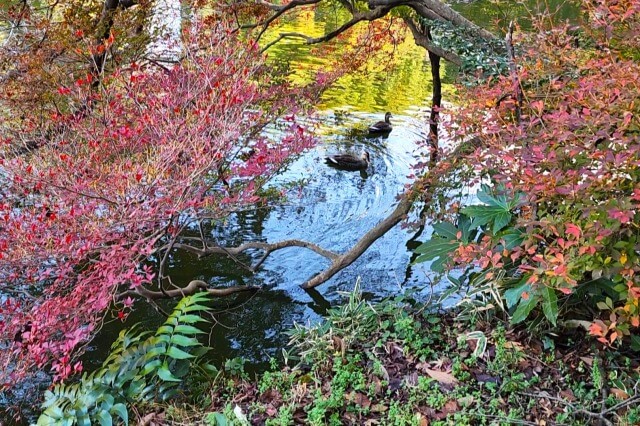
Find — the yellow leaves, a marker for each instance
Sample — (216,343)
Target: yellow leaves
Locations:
(623,258)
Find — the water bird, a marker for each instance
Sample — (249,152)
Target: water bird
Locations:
(382,126)
(349,161)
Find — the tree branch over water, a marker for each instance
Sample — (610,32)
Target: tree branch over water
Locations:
(428,9)
(357,17)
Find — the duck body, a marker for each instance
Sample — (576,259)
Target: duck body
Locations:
(349,161)
(382,126)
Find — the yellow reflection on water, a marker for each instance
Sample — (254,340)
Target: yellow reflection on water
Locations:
(397,79)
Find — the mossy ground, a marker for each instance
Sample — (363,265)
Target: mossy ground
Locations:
(396,364)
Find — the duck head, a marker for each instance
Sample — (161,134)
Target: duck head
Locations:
(387,116)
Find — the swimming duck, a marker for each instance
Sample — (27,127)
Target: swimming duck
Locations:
(349,161)
(382,126)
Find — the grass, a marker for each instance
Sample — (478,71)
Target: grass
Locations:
(393,363)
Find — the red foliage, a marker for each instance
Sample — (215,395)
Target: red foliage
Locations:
(576,157)
(143,162)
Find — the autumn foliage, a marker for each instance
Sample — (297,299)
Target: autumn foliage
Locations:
(154,154)
(571,166)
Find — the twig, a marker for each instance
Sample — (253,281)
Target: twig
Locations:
(513,72)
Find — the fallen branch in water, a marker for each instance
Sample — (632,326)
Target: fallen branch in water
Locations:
(191,288)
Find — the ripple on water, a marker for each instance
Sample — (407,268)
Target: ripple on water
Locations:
(335,207)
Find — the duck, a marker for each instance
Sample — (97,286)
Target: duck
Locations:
(382,126)
(349,161)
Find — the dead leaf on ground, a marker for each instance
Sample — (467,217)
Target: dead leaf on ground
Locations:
(379,408)
(442,376)
(466,401)
(619,393)
(423,420)
(568,395)
(271,411)
(451,407)
(587,360)
(411,379)
(513,345)
(359,399)
(486,378)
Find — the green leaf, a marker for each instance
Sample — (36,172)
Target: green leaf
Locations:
(550,304)
(181,340)
(165,374)
(484,195)
(191,319)
(155,351)
(513,238)
(150,366)
(483,215)
(513,295)
(168,394)
(195,308)
(524,308)
(216,419)
(445,230)
(176,353)
(165,329)
(187,329)
(500,221)
(436,247)
(104,418)
(635,342)
(121,411)
(464,225)
(82,418)
(135,388)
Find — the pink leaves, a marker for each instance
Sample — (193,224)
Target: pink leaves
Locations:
(573,230)
(623,216)
(139,167)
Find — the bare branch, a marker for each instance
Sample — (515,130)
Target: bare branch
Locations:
(191,288)
(371,15)
(438,8)
(282,9)
(422,40)
(267,247)
(424,188)
(398,214)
